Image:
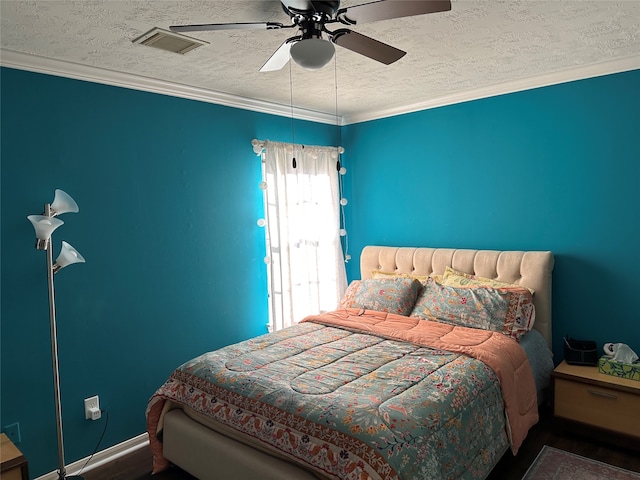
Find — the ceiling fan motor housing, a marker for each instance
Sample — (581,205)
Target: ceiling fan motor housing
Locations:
(310,28)
(293,7)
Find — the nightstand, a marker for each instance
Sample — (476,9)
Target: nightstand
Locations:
(13,465)
(582,394)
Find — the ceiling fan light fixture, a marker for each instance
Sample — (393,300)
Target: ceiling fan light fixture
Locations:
(312,53)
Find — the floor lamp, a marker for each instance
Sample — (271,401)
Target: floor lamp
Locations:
(44,226)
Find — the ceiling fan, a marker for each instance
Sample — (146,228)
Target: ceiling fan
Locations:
(310,49)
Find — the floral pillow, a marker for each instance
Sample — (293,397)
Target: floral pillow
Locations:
(392,294)
(454,278)
(509,311)
(422,278)
(347,298)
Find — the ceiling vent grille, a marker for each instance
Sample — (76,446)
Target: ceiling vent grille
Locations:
(169,41)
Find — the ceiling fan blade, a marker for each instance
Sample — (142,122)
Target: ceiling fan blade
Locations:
(356,42)
(387,9)
(227,26)
(280,57)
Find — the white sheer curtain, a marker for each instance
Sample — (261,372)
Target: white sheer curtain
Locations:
(305,261)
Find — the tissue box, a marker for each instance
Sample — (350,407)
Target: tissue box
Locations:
(618,369)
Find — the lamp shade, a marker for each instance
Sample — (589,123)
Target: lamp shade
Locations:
(44,225)
(63,203)
(68,255)
(312,53)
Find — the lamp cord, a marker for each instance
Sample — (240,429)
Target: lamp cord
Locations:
(335,80)
(343,220)
(293,138)
(95,450)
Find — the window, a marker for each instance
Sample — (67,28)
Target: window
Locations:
(303,210)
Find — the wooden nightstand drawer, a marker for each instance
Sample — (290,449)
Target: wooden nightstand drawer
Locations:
(598,406)
(584,395)
(13,465)
(12,474)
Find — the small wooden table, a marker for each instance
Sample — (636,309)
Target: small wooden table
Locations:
(13,464)
(583,394)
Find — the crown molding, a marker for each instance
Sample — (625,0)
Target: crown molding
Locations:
(34,63)
(545,80)
(61,68)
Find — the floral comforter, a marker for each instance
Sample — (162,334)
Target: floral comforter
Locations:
(357,395)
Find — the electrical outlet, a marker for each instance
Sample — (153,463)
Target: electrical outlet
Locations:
(92,408)
(13,432)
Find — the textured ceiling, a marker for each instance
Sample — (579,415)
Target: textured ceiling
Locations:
(484,44)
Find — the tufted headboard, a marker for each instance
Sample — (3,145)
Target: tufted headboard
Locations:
(530,269)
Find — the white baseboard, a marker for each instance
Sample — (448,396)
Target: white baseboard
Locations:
(104,456)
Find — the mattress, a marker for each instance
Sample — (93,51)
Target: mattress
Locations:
(354,400)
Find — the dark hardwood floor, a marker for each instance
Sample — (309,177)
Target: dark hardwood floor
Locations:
(549,431)
(581,440)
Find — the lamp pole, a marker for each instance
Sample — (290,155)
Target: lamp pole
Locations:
(44,225)
(54,353)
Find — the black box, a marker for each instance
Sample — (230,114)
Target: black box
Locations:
(580,352)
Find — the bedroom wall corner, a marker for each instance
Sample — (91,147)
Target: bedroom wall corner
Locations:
(555,168)
(169,198)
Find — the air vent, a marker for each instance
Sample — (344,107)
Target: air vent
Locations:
(169,41)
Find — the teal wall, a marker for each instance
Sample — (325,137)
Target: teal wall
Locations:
(555,168)
(169,198)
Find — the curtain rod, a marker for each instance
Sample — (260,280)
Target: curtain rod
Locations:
(259,145)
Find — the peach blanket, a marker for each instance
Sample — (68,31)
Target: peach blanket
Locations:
(500,352)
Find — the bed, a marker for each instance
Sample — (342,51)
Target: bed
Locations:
(432,366)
